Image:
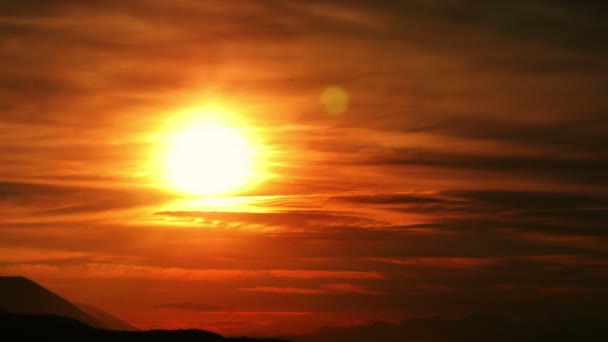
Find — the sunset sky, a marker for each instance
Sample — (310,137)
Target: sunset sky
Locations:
(410,158)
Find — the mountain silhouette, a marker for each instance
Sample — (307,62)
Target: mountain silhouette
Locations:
(108,321)
(475,328)
(23,296)
(57,328)
(29,311)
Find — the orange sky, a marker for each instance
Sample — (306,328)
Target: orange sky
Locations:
(461,169)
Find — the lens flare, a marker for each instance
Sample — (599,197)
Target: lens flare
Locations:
(335,100)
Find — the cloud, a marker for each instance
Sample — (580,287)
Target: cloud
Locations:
(349,288)
(545,290)
(433,287)
(388,198)
(584,133)
(547,168)
(533,200)
(443,262)
(320,274)
(224,323)
(332,288)
(282,290)
(118,271)
(16,256)
(191,306)
(272,313)
(51,200)
(293,218)
(472,154)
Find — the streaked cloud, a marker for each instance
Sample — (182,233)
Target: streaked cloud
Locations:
(282,290)
(465,154)
(190,306)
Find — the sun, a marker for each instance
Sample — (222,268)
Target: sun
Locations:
(208,159)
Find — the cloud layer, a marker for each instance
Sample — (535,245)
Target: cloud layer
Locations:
(467,172)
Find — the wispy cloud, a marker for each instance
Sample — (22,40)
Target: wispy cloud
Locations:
(117,271)
(349,288)
(190,306)
(282,290)
(471,154)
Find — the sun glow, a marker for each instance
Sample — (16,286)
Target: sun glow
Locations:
(206,156)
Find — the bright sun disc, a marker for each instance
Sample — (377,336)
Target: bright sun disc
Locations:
(208,159)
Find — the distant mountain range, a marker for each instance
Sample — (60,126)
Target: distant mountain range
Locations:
(28,311)
(31,312)
(475,328)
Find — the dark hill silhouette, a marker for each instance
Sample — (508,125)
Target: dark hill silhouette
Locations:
(57,328)
(475,328)
(28,311)
(21,295)
(109,321)
(25,325)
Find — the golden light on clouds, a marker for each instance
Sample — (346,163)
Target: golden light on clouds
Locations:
(209,152)
(357,160)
